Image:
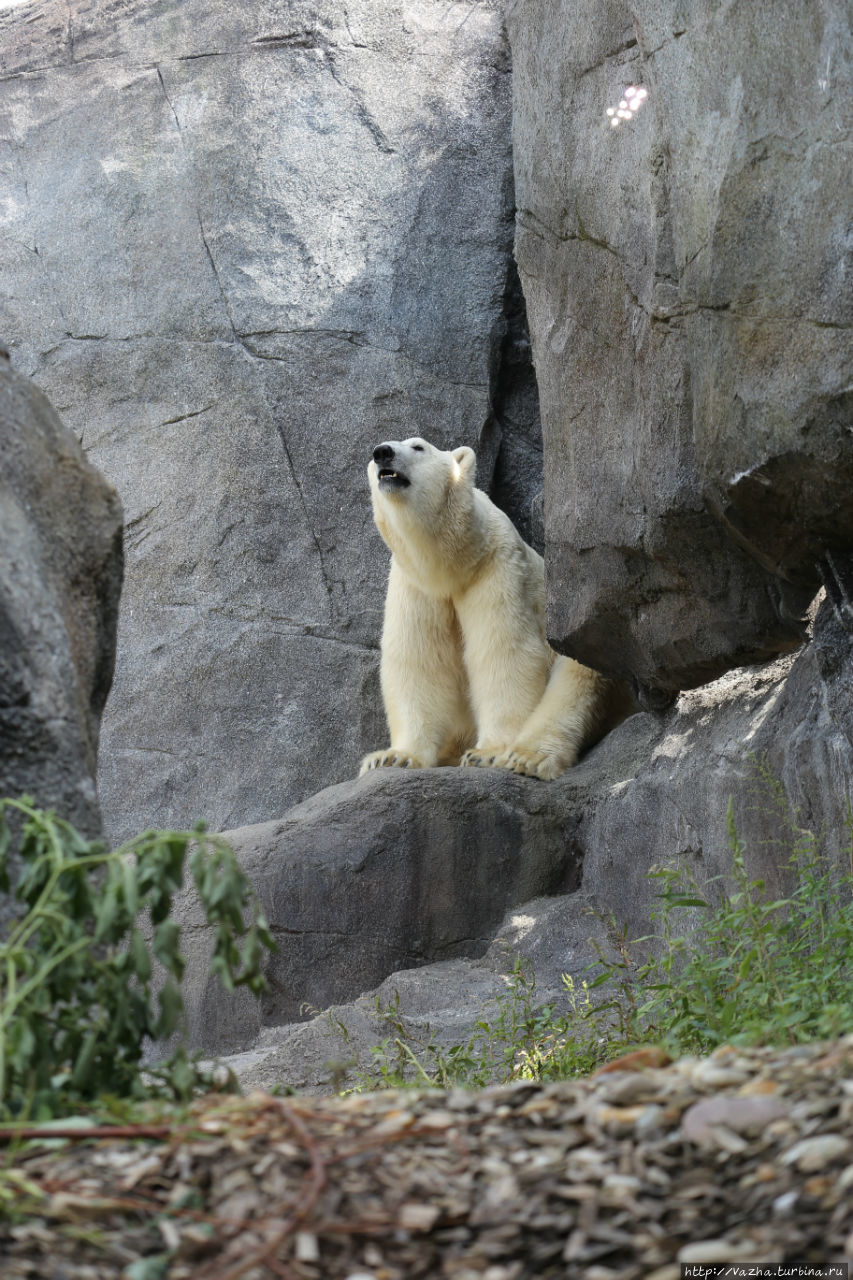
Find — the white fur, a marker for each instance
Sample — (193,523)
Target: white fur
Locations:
(467,674)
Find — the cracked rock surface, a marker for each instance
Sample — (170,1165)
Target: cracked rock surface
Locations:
(239,246)
(60,577)
(684,252)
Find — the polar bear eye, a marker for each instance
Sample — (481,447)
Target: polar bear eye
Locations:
(418,448)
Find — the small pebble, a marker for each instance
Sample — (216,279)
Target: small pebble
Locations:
(738,1114)
(418,1217)
(813,1154)
(706,1251)
(718,1077)
(632,1086)
(784,1204)
(618,1119)
(651,1121)
(719,1251)
(727,1140)
(307,1247)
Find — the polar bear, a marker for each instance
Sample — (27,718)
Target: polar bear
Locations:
(467,675)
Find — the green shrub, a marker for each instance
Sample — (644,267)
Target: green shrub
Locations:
(78,996)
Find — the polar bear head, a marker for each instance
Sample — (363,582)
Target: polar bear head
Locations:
(398,465)
(423,502)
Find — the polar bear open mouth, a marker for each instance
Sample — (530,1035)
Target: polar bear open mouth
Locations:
(389,479)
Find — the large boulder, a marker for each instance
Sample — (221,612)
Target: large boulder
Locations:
(436,1007)
(686,268)
(242,244)
(776,740)
(417,868)
(60,578)
(393,870)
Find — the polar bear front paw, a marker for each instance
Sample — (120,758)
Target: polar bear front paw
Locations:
(480,757)
(534,764)
(389,759)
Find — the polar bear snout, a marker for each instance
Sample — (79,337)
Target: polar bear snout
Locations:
(388,471)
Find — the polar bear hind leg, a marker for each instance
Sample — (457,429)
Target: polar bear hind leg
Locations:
(561,725)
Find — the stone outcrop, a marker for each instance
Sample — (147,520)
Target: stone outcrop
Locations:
(388,872)
(60,577)
(686,272)
(239,245)
(242,244)
(407,867)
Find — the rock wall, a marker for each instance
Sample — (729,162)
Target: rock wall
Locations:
(683,243)
(60,578)
(240,245)
(684,271)
(369,878)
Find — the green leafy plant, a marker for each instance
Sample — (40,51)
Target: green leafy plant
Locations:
(79,994)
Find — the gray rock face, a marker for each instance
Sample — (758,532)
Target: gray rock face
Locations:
(388,872)
(399,869)
(686,274)
(795,715)
(60,578)
(242,244)
(438,1004)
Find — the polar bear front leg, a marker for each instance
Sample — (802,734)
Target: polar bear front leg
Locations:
(423,682)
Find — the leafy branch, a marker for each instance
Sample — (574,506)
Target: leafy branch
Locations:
(78,988)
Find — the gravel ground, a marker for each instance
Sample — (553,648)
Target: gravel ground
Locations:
(746,1156)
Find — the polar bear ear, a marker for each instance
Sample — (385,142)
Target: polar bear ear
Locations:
(466,461)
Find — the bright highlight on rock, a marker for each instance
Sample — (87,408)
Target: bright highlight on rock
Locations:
(629,105)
